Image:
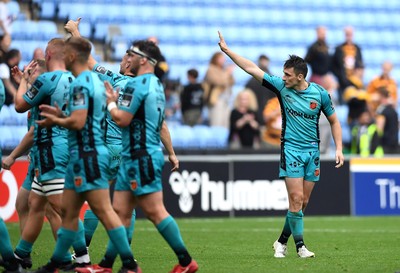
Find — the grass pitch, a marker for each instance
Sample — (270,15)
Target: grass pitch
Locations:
(234,245)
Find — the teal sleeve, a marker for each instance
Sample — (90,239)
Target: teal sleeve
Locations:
(79,98)
(39,90)
(273,83)
(327,106)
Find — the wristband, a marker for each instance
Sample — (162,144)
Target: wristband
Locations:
(111,106)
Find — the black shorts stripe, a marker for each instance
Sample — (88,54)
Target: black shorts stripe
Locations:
(92,169)
(146,170)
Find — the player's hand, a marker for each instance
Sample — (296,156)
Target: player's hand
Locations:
(7,162)
(112,95)
(174,162)
(48,121)
(17,74)
(72,26)
(52,110)
(339,159)
(222,44)
(29,70)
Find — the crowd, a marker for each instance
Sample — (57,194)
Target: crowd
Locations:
(340,73)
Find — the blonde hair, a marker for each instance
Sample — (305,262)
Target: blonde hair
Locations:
(253,104)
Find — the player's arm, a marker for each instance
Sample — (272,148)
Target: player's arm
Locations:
(245,64)
(21,105)
(25,144)
(73,27)
(121,118)
(167,142)
(76,121)
(337,138)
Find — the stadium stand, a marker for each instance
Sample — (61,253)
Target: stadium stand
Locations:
(187,31)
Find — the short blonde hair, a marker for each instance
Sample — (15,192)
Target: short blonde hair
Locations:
(253,104)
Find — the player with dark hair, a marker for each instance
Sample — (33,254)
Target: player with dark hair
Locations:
(301,103)
(140,114)
(86,178)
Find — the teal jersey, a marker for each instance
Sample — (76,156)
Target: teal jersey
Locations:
(88,92)
(117,81)
(49,88)
(300,113)
(144,98)
(2,100)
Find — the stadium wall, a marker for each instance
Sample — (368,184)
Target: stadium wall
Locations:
(248,185)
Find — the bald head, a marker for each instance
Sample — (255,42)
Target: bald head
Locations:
(387,68)
(321,33)
(349,34)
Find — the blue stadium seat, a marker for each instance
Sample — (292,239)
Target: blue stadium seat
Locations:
(9,137)
(18,118)
(5,115)
(220,136)
(47,9)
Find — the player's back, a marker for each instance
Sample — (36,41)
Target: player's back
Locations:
(146,93)
(88,92)
(51,88)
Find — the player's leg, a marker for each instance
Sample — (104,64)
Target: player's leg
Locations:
(53,218)
(22,207)
(99,201)
(66,235)
(33,226)
(154,209)
(10,263)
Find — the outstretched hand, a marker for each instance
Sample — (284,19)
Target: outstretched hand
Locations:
(17,74)
(222,43)
(174,162)
(51,113)
(72,26)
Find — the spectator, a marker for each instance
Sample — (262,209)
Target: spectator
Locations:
(192,99)
(345,58)
(366,137)
(218,84)
(387,122)
(5,18)
(355,95)
(172,103)
(162,68)
(262,95)
(273,125)
(244,126)
(5,42)
(325,136)
(38,54)
(318,57)
(386,81)
(12,59)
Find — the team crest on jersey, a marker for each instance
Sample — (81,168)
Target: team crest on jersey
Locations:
(78,181)
(127,97)
(134,185)
(316,172)
(313,105)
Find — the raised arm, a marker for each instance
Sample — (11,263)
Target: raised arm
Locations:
(73,27)
(245,64)
(25,144)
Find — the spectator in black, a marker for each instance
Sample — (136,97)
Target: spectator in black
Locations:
(318,57)
(344,61)
(262,94)
(192,99)
(161,70)
(244,127)
(387,122)
(13,57)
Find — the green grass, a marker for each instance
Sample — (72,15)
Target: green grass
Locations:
(230,245)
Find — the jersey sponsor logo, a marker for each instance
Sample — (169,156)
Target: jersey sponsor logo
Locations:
(316,161)
(300,114)
(101,69)
(78,98)
(32,92)
(313,105)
